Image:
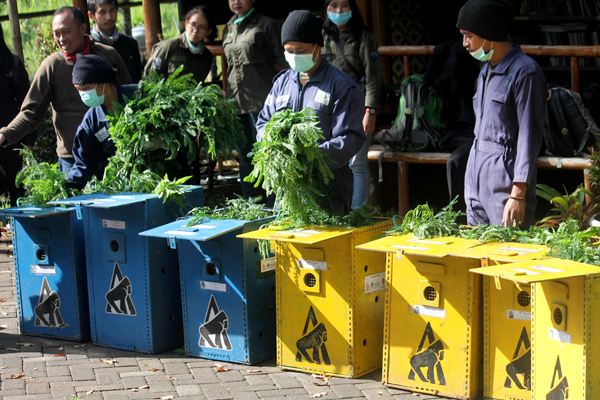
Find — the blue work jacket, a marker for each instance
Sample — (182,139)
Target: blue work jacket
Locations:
(339,105)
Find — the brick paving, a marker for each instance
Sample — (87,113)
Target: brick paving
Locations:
(39,368)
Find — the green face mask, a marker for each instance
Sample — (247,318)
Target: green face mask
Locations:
(481,55)
(90,98)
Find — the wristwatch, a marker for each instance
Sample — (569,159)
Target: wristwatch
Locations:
(371,111)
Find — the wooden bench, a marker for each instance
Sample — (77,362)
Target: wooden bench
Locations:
(405,158)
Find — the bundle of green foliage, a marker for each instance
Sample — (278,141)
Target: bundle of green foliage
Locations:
(168,117)
(423,222)
(288,163)
(237,208)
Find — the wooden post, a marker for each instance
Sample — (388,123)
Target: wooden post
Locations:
(364,7)
(82,5)
(152,23)
(15,29)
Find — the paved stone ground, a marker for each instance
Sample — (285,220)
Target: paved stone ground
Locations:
(39,368)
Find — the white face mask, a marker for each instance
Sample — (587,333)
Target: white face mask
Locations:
(481,55)
(300,62)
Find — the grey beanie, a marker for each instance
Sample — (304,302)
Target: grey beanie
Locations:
(302,26)
(488,19)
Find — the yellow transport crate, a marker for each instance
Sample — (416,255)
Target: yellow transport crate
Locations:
(507,323)
(433,316)
(330,299)
(564,327)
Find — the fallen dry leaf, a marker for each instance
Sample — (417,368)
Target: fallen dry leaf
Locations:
(4,313)
(6,366)
(12,349)
(108,361)
(27,379)
(3,326)
(78,345)
(4,272)
(89,392)
(172,378)
(60,355)
(321,383)
(380,393)
(166,398)
(25,344)
(221,368)
(155,369)
(314,396)
(35,369)
(416,394)
(61,348)
(253,371)
(16,376)
(3,300)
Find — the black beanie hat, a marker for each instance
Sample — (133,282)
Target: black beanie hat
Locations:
(302,26)
(488,19)
(92,68)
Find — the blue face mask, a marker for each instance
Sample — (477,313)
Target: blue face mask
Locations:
(90,98)
(340,19)
(300,62)
(481,55)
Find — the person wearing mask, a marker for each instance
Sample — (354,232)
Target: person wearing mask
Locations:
(96,82)
(352,47)
(105,31)
(188,50)
(509,107)
(14,84)
(337,100)
(252,45)
(50,86)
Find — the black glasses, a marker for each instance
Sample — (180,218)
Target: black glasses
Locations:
(199,28)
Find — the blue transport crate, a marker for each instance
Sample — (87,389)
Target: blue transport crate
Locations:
(228,295)
(133,281)
(49,258)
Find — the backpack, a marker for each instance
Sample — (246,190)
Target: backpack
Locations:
(568,126)
(419,121)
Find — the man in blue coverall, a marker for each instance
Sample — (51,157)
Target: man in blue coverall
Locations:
(509,109)
(95,80)
(314,83)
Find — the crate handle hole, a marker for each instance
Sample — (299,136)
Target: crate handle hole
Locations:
(164,271)
(272,288)
(255,249)
(524,298)
(171,318)
(365,342)
(211,269)
(430,294)
(558,316)
(114,246)
(40,254)
(366,268)
(310,280)
(260,334)
(376,299)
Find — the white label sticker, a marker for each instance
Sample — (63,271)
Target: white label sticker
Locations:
(102,134)
(284,98)
(305,232)
(425,241)
(546,269)
(403,247)
(520,315)
(520,250)
(526,271)
(200,226)
(322,97)
(307,264)
(217,287)
(375,283)
(267,265)
(108,223)
(181,233)
(120,196)
(429,311)
(36,269)
(560,336)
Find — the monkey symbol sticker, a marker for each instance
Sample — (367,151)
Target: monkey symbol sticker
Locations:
(213,333)
(430,358)
(559,390)
(313,340)
(520,364)
(118,298)
(47,313)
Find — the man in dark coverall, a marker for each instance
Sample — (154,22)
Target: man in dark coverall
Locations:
(509,108)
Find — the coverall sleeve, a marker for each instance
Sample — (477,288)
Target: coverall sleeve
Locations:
(372,66)
(87,152)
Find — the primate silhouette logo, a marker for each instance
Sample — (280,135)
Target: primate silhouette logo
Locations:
(315,340)
(561,390)
(520,364)
(47,313)
(118,298)
(429,358)
(213,333)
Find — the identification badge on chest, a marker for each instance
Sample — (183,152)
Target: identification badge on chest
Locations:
(322,97)
(102,135)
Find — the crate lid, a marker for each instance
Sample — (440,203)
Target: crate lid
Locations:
(207,230)
(408,244)
(505,252)
(34,211)
(548,269)
(103,200)
(306,235)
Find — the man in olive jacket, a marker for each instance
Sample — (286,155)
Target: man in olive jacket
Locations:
(52,86)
